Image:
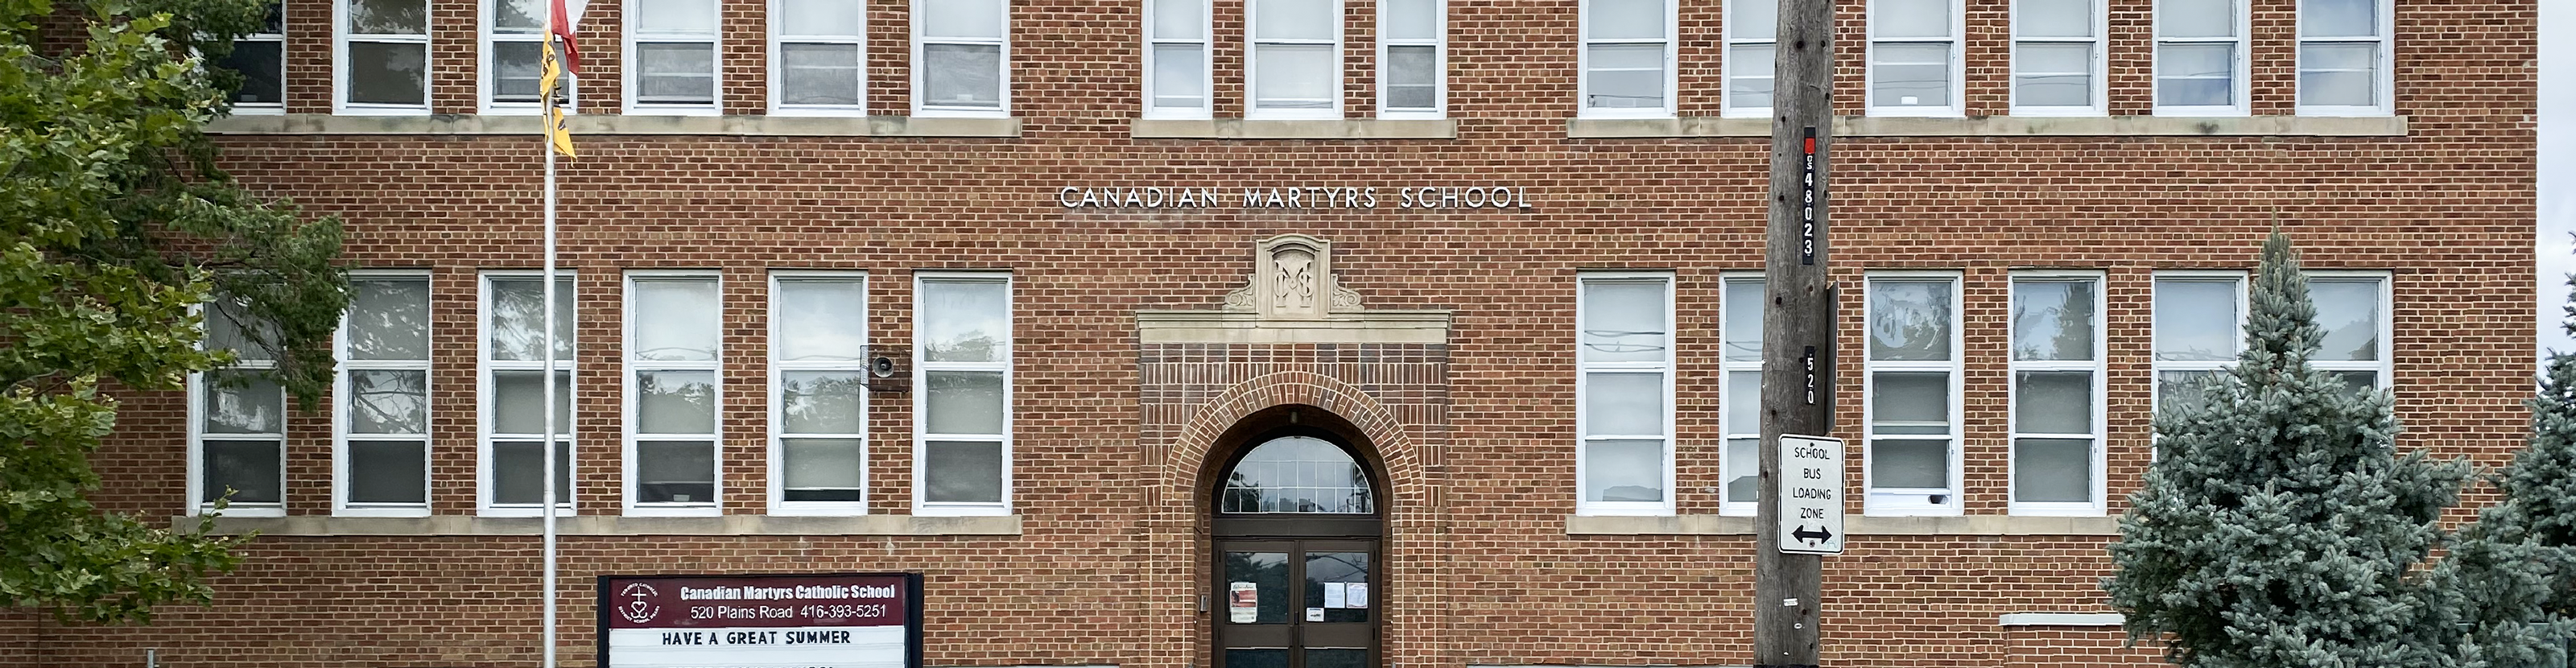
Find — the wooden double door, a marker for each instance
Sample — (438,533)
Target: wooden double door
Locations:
(1298,602)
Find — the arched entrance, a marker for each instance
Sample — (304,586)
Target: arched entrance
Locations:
(1296,517)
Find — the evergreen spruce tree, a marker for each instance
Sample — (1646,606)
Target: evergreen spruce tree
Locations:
(2513,573)
(2280,527)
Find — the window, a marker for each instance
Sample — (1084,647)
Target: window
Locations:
(1913,394)
(513,37)
(2200,57)
(1413,66)
(961,57)
(818,54)
(512,414)
(237,419)
(2057,57)
(673,47)
(2057,393)
(1741,399)
(673,329)
(2344,57)
(1176,59)
(382,397)
(1625,405)
(2352,313)
(1914,57)
(1294,66)
(818,332)
(962,424)
(1752,28)
(2199,327)
(383,56)
(1627,59)
(260,57)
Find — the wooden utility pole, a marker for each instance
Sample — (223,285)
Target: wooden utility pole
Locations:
(1797,323)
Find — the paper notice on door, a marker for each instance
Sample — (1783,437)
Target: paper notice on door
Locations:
(1355,595)
(1314,614)
(1335,593)
(1243,603)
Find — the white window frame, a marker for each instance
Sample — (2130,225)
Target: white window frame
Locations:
(2100,41)
(2383,85)
(2242,84)
(2157,367)
(197,436)
(633,72)
(1439,44)
(1728,430)
(919,40)
(340,400)
(921,368)
(340,39)
(1583,396)
(1734,70)
(1583,66)
(630,367)
(267,108)
(1900,502)
(2099,369)
(778,368)
(2382,367)
(484,417)
(1951,108)
(779,36)
(1207,65)
(1252,68)
(486,66)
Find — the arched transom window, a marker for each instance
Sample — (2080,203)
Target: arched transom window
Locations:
(1297,474)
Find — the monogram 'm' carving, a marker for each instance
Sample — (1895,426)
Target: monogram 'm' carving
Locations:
(1293,278)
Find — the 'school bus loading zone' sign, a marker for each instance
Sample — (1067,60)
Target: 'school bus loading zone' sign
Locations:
(836,620)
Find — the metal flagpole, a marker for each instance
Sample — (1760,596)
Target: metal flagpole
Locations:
(546,137)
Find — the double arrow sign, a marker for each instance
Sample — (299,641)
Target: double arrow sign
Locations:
(1811,495)
(1815,536)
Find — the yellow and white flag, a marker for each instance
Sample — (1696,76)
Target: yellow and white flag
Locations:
(556,132)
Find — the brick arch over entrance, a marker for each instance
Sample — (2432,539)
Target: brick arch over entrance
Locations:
(1200,436)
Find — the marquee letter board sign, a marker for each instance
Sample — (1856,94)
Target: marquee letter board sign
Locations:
(844,620)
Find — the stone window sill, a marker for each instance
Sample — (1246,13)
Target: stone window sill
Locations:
(1858,525)
(612,124)
(2004,126)
(2064,619)
(610,525)
(1345,128)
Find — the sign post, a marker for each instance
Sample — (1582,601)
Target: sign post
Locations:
(1811,498)
(841,620)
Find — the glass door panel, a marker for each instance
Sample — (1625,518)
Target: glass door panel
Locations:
(1326,619)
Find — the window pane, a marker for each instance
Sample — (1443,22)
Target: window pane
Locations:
(388,17)
(1909,403)
(1624,321)
(822,17)
(962,472)
(251,468)
(1625,19)
(518,327)
(2053,320)
(1910,75)
(262,66)
(2196,18)
(1412,19)
(388,319)
(2196,75)
(240,402)
(2053,75)
(1743,313)
(963,402)
(675,472)
(1180,76)
(515,71)
(516,396)
(1743,399)
(2338,74)
(1743,470)
(675,73)
(1298,76)
(516,466)
(388,472)
(2053,402)
(675,402)
(1910,464)
(223,332)
(1297,474)
(1294,19)
(519,16)
(2361,382)
(2176,389)
(1180,19)
(1624,404)
(1262,658)
(1909,320)
(1623,471)
(1753,19)
(965,321)
(2050,470)
(388,73)
(675,16)
(2053,18)
(821,402)
(963,75)
(1625,77)
(822,469)
(2195,320)
(820,74)
(1412,77)
(821,320)
(676,320)
(387,401)
(965,18)
(1336,567)
(2348,312)
(2338,18)
(1748,80)
(1266,573)
(1910,18)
